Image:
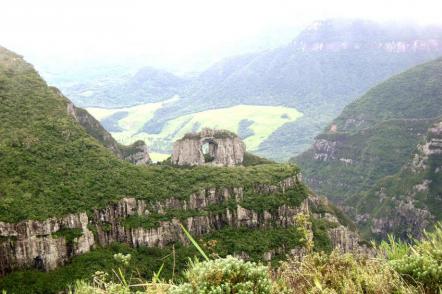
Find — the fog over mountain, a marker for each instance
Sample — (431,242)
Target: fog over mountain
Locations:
(145,146)
(324,67)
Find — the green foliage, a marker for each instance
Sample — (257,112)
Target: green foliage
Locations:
(341,273)
(208,157)
(251,159)
(225,275)
(324,206)
(243,240)
(70,234)
(372,146)
(143,262)
(272,201)
(194,243)
(303,226)
(322,242)
(419,263)
(51,166)
(375,153)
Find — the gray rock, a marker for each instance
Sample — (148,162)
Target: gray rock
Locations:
(213,147)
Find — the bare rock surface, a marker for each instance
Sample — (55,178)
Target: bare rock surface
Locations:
(214,147)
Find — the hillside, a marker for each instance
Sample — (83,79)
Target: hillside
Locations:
(254,124)
(67,203)
(322,70)
(146,85)
(53,166)
(371,149)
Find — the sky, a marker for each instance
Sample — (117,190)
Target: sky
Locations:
(178,35)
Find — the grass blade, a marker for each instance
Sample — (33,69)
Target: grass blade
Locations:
(194,243)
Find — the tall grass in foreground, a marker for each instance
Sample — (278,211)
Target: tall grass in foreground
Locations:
(397,268)
(419,263)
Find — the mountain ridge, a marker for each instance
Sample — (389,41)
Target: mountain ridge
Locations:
(374,141)
(309,74)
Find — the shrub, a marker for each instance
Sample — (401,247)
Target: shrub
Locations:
(419,263)
(225,275)
(340,273)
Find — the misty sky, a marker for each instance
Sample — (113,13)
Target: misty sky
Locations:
(178,35)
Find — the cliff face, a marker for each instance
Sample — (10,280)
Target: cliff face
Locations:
(414,193)
(359,35)
(137,153)
(44,245)
(34,244)
(380,159)
(222,148)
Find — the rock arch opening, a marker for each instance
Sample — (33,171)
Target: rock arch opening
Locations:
(208,148)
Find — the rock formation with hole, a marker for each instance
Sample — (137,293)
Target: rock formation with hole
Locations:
(212,147)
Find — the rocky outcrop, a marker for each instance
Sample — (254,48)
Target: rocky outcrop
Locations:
(213,147)
(46,245)
(414,207)
(137,153)
(34,244)
(346,240)
(408,221)
(324,150)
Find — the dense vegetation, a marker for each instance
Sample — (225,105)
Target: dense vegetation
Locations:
(147,260)
(372,146)
(51,166)
(54,163)
(395,268)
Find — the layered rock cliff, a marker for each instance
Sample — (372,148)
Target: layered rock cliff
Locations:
(410,201)
(51,243)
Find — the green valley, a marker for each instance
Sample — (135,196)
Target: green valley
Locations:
(253,123)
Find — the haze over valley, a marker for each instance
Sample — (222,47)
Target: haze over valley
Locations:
(220,147)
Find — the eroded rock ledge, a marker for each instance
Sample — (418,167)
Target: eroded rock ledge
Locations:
(42,244)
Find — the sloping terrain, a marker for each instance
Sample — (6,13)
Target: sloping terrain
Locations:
(322,70)
(376,137)
(254,124)
(146,85)
(326,67)
(51,166)
(67,202)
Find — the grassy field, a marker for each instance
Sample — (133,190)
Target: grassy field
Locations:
(257,123)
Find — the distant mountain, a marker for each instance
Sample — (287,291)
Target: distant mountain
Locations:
(326,67)
(146,85)
(382,157)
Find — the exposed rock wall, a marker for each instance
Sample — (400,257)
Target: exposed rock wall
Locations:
(137,153)
(414,207)
(33,243)
(224,148)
